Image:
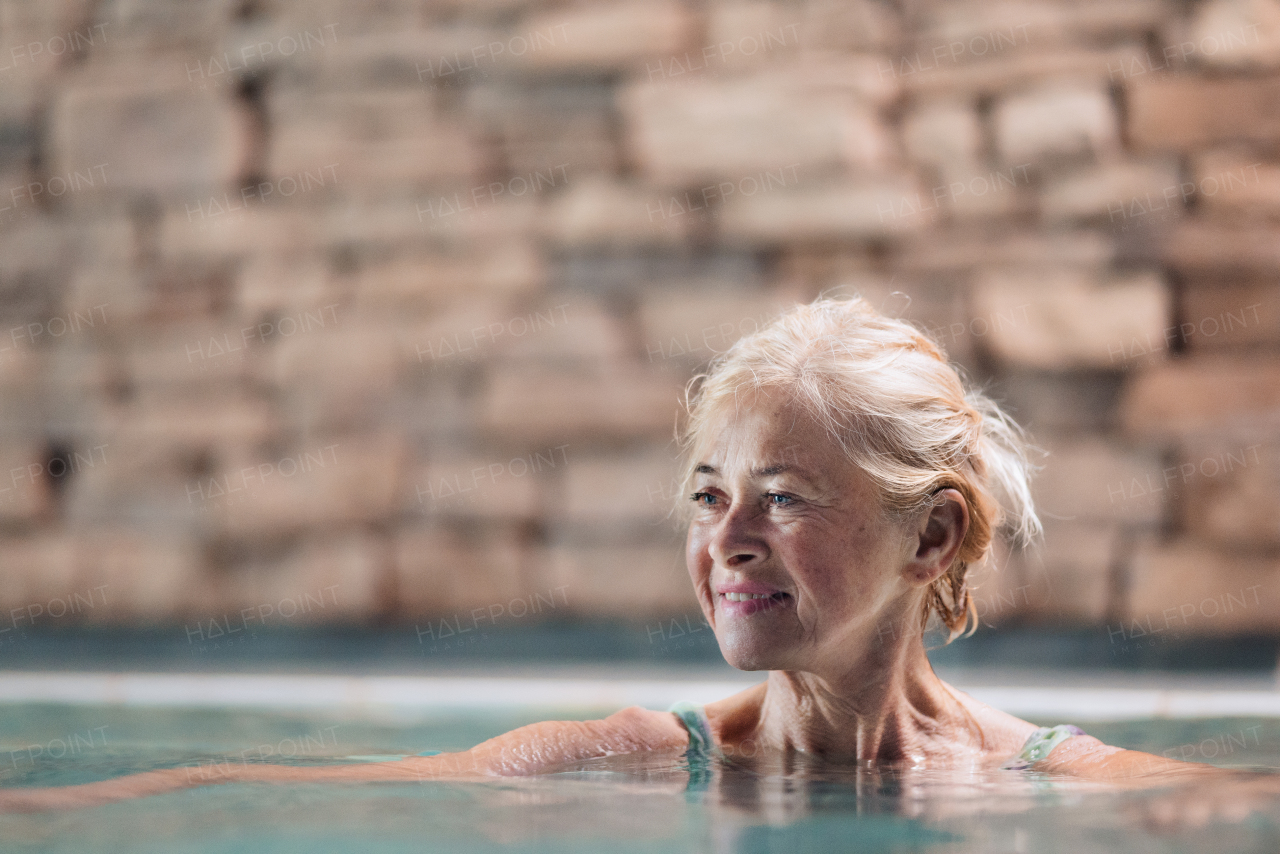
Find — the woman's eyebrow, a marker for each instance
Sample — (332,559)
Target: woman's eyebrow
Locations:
(766,471)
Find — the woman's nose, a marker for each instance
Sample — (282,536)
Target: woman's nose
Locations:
(736,542)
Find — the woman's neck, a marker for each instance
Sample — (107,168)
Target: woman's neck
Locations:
(885,706)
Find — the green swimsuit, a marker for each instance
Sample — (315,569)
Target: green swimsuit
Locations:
(1037,746)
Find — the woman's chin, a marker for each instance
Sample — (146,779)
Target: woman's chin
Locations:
(749,654)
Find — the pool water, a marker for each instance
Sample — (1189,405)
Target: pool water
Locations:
(641,803)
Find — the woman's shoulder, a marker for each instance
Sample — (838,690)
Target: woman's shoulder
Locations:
(1018,743)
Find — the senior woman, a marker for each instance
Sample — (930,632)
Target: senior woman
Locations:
(840,483)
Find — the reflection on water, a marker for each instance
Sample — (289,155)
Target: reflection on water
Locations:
(620,804)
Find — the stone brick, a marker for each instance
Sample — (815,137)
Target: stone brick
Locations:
(629,582)
(147,134)
(1198,248)
(976,193)
(340,377)
(1229,183)
(433,217)
(209,419)
(340,52)
(40,39)
(854,26)
(499,486)
(545,406)
(1014,70)
(1234,34)
(149,577)
(140,28)
(25,486)
(1116,193)
(945,135)
(439,572)
(695,327)
(635,492)
(936,251)
(1057,119)
(836,210)
(598,213)
(1232,493)
(208,357)
(383,138)
(39,583)
(567,328)
(543,127)
(1094,481)
(422,281)
(1044,22)
(1186,589)
(332,579)
(1059,320)
(1232,313)
(751,33)
(1204,395)
(605,38)
(124,478)
(280,285)
(1067,580)
(817,117)
(1183,113)
(311,487)
(184,233)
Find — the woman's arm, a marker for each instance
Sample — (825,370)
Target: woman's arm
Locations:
(527,750)
(1084,756)
(1201,793)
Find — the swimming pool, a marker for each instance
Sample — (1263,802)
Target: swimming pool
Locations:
(619,804)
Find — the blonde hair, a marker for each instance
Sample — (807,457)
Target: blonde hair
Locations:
(887,396)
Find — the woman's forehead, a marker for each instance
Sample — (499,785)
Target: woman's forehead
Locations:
(765,440)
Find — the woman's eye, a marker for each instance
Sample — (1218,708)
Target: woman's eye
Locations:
(698,497)
(777,499)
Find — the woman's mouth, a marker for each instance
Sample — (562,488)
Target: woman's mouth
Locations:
(745,604)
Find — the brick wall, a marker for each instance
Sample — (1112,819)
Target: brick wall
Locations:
(320,311)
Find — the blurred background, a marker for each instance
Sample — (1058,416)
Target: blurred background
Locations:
(373,318)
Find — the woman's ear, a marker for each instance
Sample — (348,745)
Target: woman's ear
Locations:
(937,538)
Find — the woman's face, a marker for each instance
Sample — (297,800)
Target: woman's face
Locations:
(781,513)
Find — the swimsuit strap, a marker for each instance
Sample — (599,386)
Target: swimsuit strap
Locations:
(1040,744)
(694,718)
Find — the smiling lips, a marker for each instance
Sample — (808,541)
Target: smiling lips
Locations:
(750,597)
